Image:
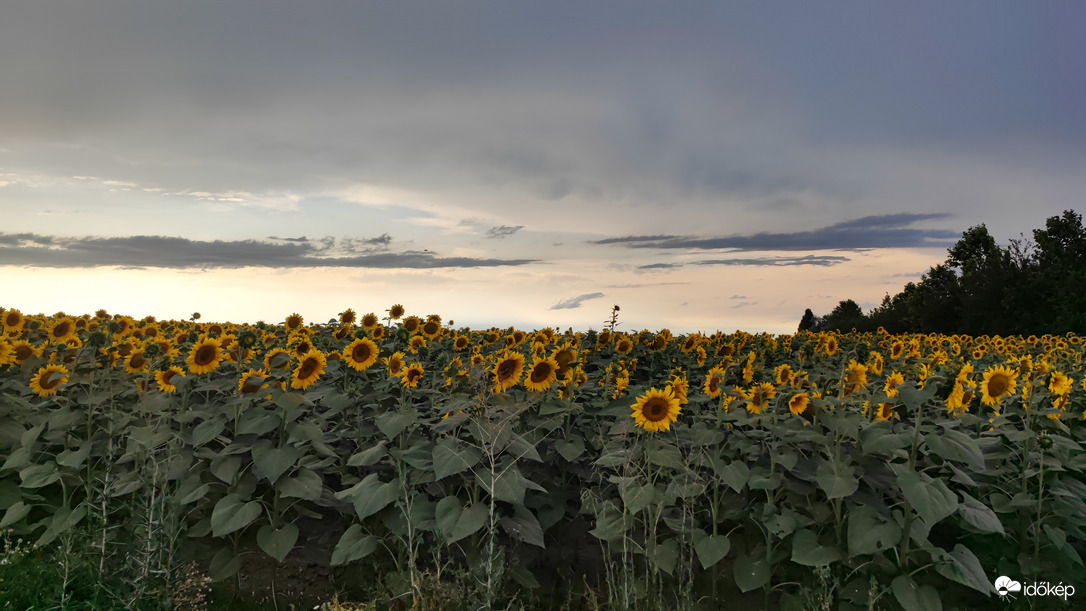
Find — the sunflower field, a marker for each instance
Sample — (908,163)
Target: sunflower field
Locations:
(547,469)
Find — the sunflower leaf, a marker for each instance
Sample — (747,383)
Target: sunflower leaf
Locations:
(353,545)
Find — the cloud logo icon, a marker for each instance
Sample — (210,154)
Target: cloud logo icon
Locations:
(1005,585)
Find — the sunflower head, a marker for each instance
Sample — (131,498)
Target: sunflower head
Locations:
(294,322)
(360,354)
(310,367)
(48,379)
(252,381)
(541,374)
(656,409)
(411,375)
(396,312)
(165,379)
(998,382)
(204,356)
(346,317)
(507,371)
(798,403)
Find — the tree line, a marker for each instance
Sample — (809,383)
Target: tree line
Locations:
(1031,286)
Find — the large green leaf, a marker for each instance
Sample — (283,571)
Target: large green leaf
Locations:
(371,495)
(962,566)
(223,564)
(450,460)
(664,556)
(523,526)
(836,483)
(735,474)
(304,484)
(231,514)
(74,458)
(369,456)
(16,512)
(206,431)
(979,515)
(570,448)
(393,423)
(930,498)
(870,534)
(277,543)
(456,522)
(353,545)
(913,597)
(37,476)
(270,462)
(751,572)
(258,422)
(955,445)
(807,551)
(610,525)
(712,549)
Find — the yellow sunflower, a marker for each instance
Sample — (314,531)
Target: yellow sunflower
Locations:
(62,329)
(294,322)
(461,342)
(855,377)
(831,346)
(346,317)
(377,333)
(165,378)
(541,374)
(998,381)
(1060,384)
(959,399)
(798,403)
(395,312)
(782,374)
(758,397)
(136,361)
(7,352)
(893,380)
(623,345)
(412,324)
(48,379)
(411,375)
(370,321)
(204,356)
(252,381)
(360,354)
(885,411)
(896,350)
(507,371)
(416,343)
(276,358)
(310,367)
(395,364)
(713,381)
(431,329)
(13,322)
(655,410)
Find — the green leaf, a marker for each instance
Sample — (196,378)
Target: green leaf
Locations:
(206,431)
(196,494)
(258,422)
(930,498)
(979,515)
(368,456)
(448,460)
(37,476)
(962,566)
(879,438)
(508,485)
(224,564)
(524,526)
(955,445)
(16,512)
(734,474)
(666,456)
(807,551)
(74,458)
(664,556)
(371,495)
(393,423)
(913,597)
(571,448)
(712,549)
(750,572)
(353,545)
(455,522)
(610,525)
(270,462)
(62,521)
(277,543)
(304,484)
(637,497)
(231,514)
(837,483)
(520,447)
(226,467)
(868,533)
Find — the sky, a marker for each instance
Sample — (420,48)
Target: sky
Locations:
(703,165)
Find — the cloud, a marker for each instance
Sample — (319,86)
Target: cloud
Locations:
(819,260)
(575,302)
(738,297)
(880,231)
(502,231)
(29,249)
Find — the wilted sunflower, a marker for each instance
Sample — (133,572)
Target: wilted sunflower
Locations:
(798,403)
(998,381)
(507,371)
(310,367)
(252,381)
(655,410)
(360,354)
(541,374)
(204,356)
(411,375)
(395,312)
(294,322)
(48,379)
(165,378)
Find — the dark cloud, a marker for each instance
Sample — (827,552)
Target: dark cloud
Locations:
(28,249)
(575,302)
(661,266)
(301,239)
(503,230)
(882,231)
(819,260)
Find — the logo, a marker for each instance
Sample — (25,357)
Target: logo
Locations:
(1005,585)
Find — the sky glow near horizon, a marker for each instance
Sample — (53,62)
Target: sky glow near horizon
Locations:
(705,166)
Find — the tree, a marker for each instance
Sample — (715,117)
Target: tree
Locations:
(808,322)
(846,316)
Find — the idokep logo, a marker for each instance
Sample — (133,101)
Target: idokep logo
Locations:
(1005,587)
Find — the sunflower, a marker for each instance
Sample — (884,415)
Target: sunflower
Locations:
(461,342)
(346,317)
(541,374)
(310,367)
(623,346)
(782,374)
(395,312)
(360,354)
(896,350)
(855,377)
(798,403)
(893,380)
(656,409)
(713,381)
(411,375)
(136,361)
(431,329)
(957,402)
(13,322)
(7,353)
(874,363)
(276,358)
(416,343)
(831,346)
(885,411)
(395,364)
(48,378)
(680,386)
(412,324)
(998,381)
(62,329)
(758,397)
(302,347)
(564,356)
(377,333)
(252,381)
(204,356)
(507,371)
(1060,384)
(294,322)
(165,378)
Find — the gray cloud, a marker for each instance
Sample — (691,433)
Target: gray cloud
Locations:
(575,302)
(28,249)
(819,260)
(880,231)
(503,230)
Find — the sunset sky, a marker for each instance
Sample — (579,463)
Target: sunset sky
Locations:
(704,165)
